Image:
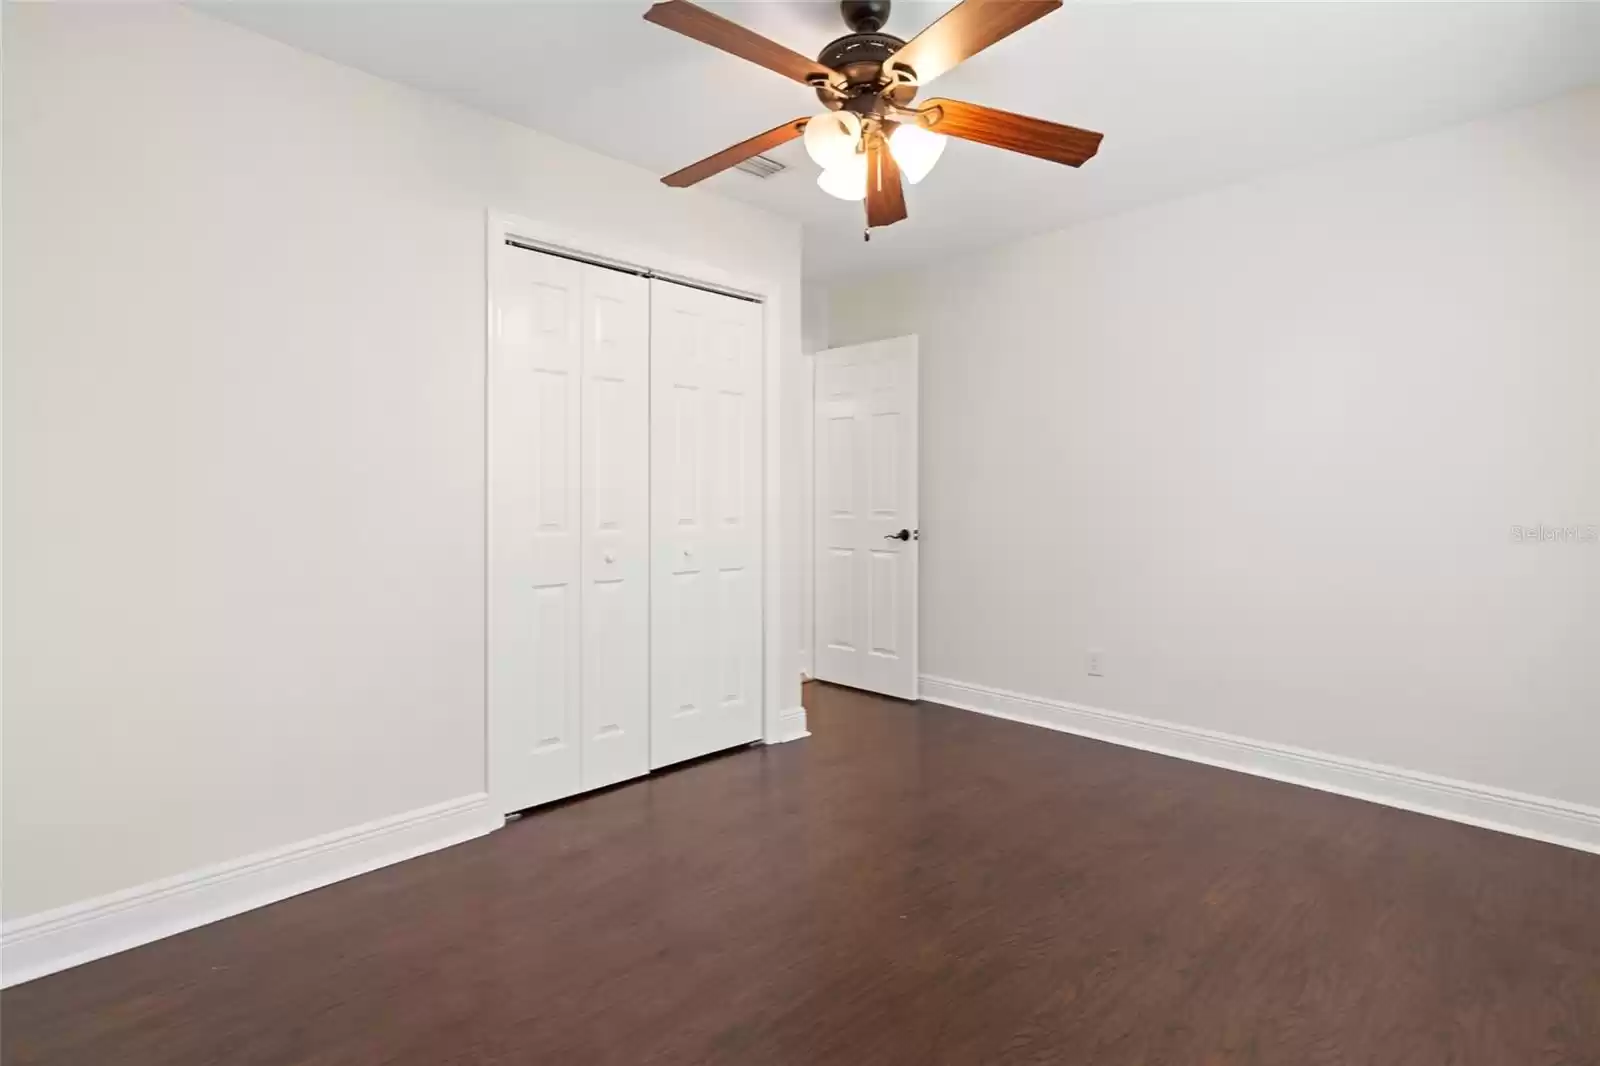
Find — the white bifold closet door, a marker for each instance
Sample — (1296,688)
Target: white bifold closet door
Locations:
(569,562)
(705,603)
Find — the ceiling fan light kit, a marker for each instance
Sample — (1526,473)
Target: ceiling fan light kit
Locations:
(871,136)
(832,137)
(847,180)
(916,149)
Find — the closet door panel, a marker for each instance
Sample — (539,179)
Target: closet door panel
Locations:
(678,497)
(535,594)
(734,365)
(705,470)
(616,532)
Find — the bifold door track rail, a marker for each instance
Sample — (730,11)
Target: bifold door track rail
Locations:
(629,268)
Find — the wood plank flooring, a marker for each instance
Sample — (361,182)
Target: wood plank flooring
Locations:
(912,885)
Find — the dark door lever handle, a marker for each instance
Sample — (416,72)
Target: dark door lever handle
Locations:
(904,534)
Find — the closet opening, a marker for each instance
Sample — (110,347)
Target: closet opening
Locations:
(628,572)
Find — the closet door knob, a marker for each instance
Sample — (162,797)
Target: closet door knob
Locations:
(688,553)
(610,558)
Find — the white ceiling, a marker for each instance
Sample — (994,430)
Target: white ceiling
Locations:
(1189,94)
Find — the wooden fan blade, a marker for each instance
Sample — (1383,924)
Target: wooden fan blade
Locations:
(964,31)
(886,197)
(718,32)
(714,164)
(1016,133)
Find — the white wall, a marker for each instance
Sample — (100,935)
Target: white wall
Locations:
(244,435)
(1264,447)
(813,339)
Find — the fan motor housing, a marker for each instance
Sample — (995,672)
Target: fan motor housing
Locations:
(859,58)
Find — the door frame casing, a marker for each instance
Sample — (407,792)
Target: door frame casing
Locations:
(605,250)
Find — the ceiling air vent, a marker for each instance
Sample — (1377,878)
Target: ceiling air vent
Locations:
(760,166)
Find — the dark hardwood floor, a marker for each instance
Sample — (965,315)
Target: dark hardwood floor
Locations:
(913,885)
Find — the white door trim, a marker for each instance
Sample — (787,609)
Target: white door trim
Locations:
(563,239)
(808,532)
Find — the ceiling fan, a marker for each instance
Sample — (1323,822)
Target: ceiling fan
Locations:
(871,135)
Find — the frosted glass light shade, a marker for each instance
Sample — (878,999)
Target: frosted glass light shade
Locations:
(847,180)
(832,136)
(916,150)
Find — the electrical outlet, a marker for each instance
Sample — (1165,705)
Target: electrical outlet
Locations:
(1097,663)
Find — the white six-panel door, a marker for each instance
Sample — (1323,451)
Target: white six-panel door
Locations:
(568,540)
(705,424)
(535,561)
(616,526)
(865,502)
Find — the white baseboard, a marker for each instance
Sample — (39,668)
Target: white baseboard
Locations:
(1553,821)
(67,936)
(792,725)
